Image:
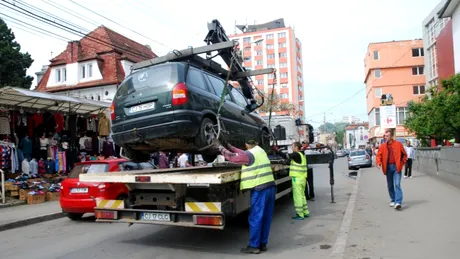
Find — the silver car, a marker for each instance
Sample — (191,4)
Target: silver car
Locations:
(359,158)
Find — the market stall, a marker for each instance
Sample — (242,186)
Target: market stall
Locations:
(43,134)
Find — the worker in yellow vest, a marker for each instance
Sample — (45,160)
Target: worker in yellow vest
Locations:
(256,177)
(298,172)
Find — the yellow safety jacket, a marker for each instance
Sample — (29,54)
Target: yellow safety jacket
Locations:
(299,170)
(260,172)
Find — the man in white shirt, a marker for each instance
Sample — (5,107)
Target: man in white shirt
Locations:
(182,161)
(410,157)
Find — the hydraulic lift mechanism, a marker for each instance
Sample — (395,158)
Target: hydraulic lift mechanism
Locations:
(227,49)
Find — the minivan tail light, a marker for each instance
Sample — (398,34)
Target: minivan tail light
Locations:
(112,111)
(179,94)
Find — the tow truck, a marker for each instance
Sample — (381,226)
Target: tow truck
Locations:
(205,196)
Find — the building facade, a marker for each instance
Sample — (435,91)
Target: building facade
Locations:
(356,136)
(94,66)
(445,51)
(395,67)
(432,26)
(273,45)
(451,9)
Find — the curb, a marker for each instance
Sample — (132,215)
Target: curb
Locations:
(31,221)
(8,205)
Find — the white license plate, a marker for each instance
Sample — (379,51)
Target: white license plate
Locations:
(142,107)
(79,190)
(156,216)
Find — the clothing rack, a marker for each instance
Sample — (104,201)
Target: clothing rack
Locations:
(10,144)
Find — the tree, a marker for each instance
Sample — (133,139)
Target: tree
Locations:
(13,63)
(437,115)
(338,128)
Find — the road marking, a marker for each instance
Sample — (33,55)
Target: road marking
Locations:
(338,249)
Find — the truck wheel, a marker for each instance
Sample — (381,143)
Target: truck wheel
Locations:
(75,216)
(136,155)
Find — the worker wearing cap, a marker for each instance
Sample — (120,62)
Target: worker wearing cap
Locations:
(298,173)
(256,177)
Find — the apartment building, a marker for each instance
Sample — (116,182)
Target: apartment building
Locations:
(433,24)
(395,67)
(273,45)
(451,9)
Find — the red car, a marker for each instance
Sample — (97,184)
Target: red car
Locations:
(78,198)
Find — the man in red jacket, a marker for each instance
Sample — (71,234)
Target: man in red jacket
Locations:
(390,158)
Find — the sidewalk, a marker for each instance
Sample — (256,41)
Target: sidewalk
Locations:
(19,216)
(426,227)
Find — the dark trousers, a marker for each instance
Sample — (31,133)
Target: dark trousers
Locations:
(260,216)
(408,170)
(310,188)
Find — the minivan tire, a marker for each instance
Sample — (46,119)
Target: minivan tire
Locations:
(135,155)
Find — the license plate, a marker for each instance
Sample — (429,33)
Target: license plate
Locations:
(142,107)
(156,216)
(79,190)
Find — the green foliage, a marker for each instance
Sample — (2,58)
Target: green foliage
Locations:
(13,63)
(437,115)
(338,128)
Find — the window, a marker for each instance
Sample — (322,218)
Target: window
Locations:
(88,169)
(377,116)
(269,36)
(282,35)
(376,55)
(195,78)
(417,71)
(418,52)
(271,76)
(270,56)
(270,46)
(283,55)
(401,114)
(283,85)
(247,40)
(282,45)
(239,98)
(271,66)
(218,86)
(247,59)
(259,53)
(61,75)
(419,89)
(378,92)
(86,71)
(284,75)
(284,64)
(377,73)
(284,96)
(260,82)
(259,62)
(83,71)
(259,43)
(90,70)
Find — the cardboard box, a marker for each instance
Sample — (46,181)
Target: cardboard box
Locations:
(53,196)
(35,199)
(23,194)
(14,193)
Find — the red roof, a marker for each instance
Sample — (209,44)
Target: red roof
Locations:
(104,45)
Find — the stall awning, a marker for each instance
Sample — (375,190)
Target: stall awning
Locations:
(22,98)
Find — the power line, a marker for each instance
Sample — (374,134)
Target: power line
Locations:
(66,28)
(94,12)
(66,10)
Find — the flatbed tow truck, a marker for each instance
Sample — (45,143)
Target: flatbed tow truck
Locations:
(202,197)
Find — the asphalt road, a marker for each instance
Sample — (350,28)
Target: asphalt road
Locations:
(312,238)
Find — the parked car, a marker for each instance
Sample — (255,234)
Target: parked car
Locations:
(78,198)
(173,106)
(341,153)
(359,158)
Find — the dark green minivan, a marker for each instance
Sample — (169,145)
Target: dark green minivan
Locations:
(173,106)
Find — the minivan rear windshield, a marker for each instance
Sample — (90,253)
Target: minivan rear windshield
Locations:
(151,77)
(88,169)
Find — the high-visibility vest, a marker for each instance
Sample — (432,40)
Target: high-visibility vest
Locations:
(260,172)
(299,170)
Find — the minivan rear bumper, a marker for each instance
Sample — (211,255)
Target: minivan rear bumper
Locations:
(186,124)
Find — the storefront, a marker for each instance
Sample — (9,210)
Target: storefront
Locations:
(50,130)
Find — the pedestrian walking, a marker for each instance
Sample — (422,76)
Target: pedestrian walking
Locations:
(410,158)
(256,177)
(390,158)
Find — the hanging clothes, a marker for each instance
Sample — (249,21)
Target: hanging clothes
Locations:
(59,119)
(41,167)
(4,126)
(104,125)
(33,166)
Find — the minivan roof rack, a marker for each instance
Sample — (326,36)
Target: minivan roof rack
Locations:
(227,49)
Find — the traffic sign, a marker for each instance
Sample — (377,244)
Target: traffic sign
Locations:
(388,117)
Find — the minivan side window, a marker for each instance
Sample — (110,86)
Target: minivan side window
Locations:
(218,86)
(239,98)
(195,78)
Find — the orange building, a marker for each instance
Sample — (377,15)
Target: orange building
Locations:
(395,67)
(273,45)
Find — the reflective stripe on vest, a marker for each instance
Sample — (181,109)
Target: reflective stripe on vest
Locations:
(260,172)
(299,170)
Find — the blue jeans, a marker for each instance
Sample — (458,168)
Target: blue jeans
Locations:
(260,216)
(394,184)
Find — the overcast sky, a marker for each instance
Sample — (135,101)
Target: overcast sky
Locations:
(334,34)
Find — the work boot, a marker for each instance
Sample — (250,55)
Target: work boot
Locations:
(250,250)
(297,217)
(263,248)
